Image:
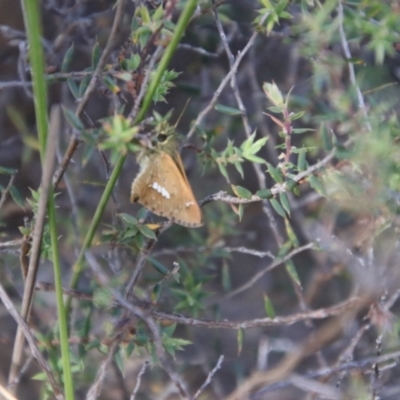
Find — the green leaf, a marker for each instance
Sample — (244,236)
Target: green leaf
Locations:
(241,192)
(83,85)
(264,193)
(17,197)
(285,202)
(277,207)
(7,171)
(161,268)
(291,235)
(302,130)
(297,115)
(128,219)
(66,62)
(291,270)
(317,185)
(301,161)
(248,142)
(155,293)
(73,87)
(73,120)
(146,231)
(275,174)
(96,54)
(102,297)
(239,168)
(41,376)
(240,340)
(256,147)
(241,211)
(139,240)
(226,277)
(119,361)
(227,110)
(269,307)
(290,184)
(223,171)
(253,158)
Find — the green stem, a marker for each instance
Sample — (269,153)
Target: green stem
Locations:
(33,29)
(184,19)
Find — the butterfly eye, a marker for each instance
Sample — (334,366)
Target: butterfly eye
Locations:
(162,138)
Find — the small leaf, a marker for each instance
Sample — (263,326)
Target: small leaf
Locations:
(298,115)
(161,268)
(128,219)
(73,120)
(227,110)
(317,185)
(95,55)
(7,171)
(273,93)
(253,158)
(285,202)
(256,147)
(223,171)
(41,376)
(264,193)
(239,168)
(275,174)
(277,207)
(156,292)
(240,340)
(111,84)
(102,297)
(241,211)
(291,235)
(226,277)
(17,197)
(269,307)
(302,130)
(301,161)
(66,62)
(241,192)
(291,270)
(83,85)
(73,87)
(119,361)
(290,184)
(146,231)
(139,240)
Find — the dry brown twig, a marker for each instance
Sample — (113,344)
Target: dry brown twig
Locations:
(327,333)
(48,165)
(209,377)
(74,142)
(32,343)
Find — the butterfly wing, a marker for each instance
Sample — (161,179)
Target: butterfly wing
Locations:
(163,188)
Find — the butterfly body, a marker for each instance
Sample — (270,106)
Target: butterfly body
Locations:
(162,186)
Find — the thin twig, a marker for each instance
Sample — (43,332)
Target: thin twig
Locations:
(74,142)
(256,277)
(146,79)
(353,80)
(222,85)
(5,191)
(32,343)
(146,365)
(322,313)
(209,377)
(48,165)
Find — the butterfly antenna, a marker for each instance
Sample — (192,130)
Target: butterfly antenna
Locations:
(183,111)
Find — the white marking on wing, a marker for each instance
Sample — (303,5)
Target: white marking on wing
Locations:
(160,189)
(189,203)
